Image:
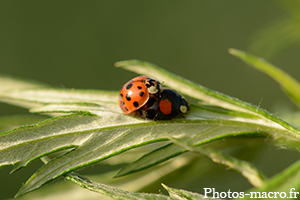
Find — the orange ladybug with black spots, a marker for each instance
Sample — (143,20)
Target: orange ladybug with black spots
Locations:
(139,94)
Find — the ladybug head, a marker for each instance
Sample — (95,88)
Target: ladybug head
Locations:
(153,86)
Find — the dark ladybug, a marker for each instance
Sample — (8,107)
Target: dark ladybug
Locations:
(168,106)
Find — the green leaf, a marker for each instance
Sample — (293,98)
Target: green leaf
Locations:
(288,84)
(183,194)
(286,181)
(171,150)
(276,37)
(13,121)
(93,143)
(152,158)
(9,83)
(254,176)
(113,192)
(38,98)
(134,183)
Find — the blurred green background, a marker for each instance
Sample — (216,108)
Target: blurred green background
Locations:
(74,44)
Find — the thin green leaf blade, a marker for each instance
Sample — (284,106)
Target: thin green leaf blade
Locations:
(12,121)
(254,176)
(288,84)
(10,83)
(152,158)
(287,181)
(204,136)
(185,195)
(91,108)
(39,97)
(113,192)
(44,96)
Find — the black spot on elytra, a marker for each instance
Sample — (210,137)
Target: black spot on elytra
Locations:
(129,86)
(139,87)
(121,95)
(128,97)
(123,103)
(141,94)
(136,104)
(126,108)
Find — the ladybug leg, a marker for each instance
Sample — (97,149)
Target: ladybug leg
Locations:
(143,114)
(155,118)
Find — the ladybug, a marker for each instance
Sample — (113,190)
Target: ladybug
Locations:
(168,106)
(139,93)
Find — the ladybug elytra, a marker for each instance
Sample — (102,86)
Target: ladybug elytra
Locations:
(139,93)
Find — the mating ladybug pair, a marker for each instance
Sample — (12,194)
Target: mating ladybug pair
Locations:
(144,97)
